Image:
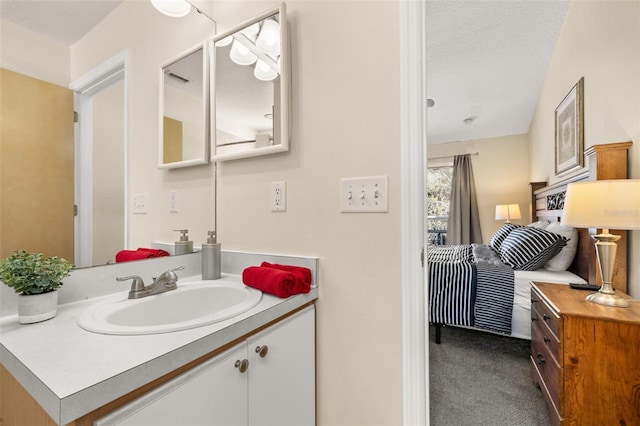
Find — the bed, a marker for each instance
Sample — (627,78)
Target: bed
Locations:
(487,287)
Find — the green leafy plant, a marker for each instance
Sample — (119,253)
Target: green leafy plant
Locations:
(33,273)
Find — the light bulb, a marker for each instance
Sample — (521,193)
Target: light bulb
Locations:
(224,42)
(241,55)
(172,8)
(269,39)
(264,72)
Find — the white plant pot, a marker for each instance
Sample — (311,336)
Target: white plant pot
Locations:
(37,307)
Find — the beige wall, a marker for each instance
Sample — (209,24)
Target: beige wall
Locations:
(600,40)
(497,181)
(345,124)
(30,54)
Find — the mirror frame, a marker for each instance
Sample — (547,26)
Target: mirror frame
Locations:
(204,151)
(284,93)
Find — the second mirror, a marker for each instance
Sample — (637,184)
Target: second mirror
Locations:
(250,88)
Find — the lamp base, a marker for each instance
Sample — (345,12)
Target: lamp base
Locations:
(608,300)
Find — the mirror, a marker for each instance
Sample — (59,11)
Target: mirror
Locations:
(184,110)
(250,88)
(151,39)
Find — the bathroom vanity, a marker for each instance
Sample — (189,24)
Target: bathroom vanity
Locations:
(255,368)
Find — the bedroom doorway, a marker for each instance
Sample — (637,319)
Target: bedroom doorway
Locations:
(413,150)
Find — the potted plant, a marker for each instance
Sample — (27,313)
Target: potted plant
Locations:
(36,278)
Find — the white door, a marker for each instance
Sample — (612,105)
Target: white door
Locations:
(101,162)
(282,373)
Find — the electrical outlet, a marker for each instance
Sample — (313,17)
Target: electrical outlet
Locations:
(173,201)
(278,196)
(139,203)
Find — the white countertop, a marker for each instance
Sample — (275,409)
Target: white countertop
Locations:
(71,371)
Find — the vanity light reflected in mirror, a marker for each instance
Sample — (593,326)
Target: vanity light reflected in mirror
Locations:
(184,109)
(250,88)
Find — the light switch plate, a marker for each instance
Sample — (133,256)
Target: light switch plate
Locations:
(139,203)
(364,195)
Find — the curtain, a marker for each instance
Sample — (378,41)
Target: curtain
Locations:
(463,226)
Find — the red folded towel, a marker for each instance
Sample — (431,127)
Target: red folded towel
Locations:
(141,253)
(302,274)
(272,281)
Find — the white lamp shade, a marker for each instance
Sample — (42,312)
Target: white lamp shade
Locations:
(264,72)
(241,54)
(508,212)
(269,39)
(172,8)
(605,204)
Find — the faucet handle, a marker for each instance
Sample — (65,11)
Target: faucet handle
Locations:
(136,285)
(179,268)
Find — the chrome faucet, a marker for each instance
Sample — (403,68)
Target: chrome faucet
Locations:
(166,281)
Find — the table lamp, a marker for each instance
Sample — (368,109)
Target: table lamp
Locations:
(507,212)
(604,204)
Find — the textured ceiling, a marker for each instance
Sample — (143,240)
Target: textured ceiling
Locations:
(63,20)
(488,60)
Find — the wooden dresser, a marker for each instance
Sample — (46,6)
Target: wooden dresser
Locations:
(585,357)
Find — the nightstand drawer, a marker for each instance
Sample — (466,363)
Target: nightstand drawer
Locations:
(546,314)
(550,370)
(547,337)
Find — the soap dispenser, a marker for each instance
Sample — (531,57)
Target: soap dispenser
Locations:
(183,246)
(211,258)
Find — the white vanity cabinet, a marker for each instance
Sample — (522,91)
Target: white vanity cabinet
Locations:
(282,373)
(267,379)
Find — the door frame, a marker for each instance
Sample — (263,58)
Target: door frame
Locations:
(109,72)
(413,153)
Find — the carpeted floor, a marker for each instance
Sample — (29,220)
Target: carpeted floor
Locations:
(481,378)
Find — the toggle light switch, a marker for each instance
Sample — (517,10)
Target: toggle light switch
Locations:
(372,195)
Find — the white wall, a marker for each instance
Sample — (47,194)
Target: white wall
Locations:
(346,98)
(600,41)
(498,181)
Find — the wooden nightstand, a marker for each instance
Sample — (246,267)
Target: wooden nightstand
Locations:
(585,357)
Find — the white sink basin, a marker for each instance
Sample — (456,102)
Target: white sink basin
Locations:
(191,305)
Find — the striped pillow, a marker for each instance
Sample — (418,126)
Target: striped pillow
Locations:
(496,240)
(528,248)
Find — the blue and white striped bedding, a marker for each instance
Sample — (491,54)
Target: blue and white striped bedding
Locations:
(470,286)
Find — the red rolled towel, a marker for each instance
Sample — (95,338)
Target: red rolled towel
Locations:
(128,255)
(141,253)
(154,252)
(272,281)
(302,274)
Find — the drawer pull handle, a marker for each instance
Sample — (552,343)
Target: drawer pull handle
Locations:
(546,317)
(546,339)
(262,350)
(534,319)
(541,359)
(242,365)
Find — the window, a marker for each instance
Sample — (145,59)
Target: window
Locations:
(438,194)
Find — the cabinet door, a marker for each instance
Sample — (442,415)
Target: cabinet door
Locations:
(282,380)
(213,393)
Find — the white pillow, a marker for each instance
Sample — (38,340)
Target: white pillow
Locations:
(562,260)
(541,224)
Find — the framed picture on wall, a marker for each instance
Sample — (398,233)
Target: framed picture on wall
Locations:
(569,118)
